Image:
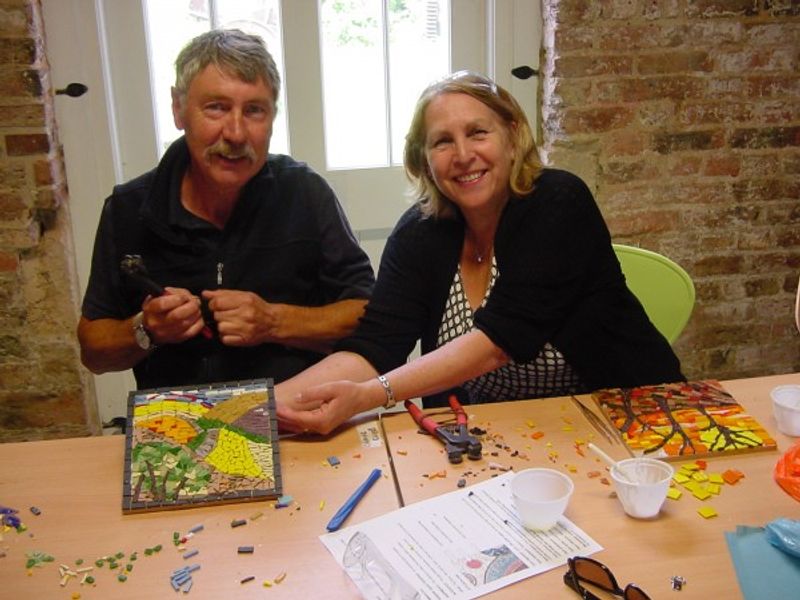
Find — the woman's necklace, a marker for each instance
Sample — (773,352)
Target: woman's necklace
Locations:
(479,256)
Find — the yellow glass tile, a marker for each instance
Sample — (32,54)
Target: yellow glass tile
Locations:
(713,488)
(701,494)
(706,512)
(715,478)
(692,486)
(689,467)
(674,493)
(699,476)
(680,478)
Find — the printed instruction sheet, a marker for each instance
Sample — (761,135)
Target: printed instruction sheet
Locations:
(459,545)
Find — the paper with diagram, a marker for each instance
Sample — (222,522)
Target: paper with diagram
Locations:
(459,545)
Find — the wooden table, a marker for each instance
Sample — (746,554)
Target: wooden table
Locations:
(679,542)
(77,484)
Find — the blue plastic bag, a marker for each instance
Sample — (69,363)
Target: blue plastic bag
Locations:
(784,534)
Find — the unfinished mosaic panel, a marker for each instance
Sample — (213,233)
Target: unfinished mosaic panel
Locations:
(194,446)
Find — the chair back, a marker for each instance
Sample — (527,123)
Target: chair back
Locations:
(663,287)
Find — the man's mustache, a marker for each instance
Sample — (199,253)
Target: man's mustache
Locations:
(231,151)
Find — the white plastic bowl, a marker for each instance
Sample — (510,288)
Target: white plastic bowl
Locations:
(641,485)
(786,408)
(541,497)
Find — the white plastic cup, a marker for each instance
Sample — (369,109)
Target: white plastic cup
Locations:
(641,485)
(786,408)
(541,497)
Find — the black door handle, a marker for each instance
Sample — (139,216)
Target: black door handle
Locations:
(73,90)
(524,72)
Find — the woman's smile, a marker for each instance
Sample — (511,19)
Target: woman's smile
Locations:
(469,152)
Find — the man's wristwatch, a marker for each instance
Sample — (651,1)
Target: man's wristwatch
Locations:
(143,339)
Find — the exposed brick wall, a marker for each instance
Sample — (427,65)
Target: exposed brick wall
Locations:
(44,393)
(683,116)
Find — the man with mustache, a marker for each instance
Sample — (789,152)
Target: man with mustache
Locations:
(261,268)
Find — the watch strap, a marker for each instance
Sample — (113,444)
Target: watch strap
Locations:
(143,338)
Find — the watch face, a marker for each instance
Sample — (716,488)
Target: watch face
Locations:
(142,338)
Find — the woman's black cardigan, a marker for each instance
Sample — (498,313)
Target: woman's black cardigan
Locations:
(559,282)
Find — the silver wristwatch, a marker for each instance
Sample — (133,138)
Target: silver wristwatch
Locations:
(143,339)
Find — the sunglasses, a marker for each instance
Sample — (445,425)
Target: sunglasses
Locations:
(582,569)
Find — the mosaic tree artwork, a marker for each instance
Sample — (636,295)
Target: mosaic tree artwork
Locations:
(696,418)
(197,446)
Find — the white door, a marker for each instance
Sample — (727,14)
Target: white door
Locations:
(76,53)
(109,135)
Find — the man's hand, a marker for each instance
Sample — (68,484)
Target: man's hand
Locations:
(244,318)
(173,317)
(110,345)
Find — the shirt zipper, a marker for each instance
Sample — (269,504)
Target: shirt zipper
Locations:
(219,274)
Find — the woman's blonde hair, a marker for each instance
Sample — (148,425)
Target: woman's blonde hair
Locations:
(526,165)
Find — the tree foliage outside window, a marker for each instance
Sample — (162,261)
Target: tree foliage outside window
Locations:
(352,23)
(376,58)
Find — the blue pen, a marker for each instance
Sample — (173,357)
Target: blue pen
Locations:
(348,506)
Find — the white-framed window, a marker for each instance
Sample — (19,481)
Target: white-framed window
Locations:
(377,56)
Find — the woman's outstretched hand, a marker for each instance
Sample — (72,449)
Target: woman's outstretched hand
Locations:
(322,408)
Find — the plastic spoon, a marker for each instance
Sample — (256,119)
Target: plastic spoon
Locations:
(610,461)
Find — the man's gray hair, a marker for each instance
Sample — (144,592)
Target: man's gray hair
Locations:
(233,52)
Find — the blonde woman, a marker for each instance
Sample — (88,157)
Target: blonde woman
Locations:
(503,269)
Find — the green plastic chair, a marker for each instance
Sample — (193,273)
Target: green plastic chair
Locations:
(662,286)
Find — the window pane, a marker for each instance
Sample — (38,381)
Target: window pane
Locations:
(419,53)
(169,26)
(353,72)
(368,46)
(172,23)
